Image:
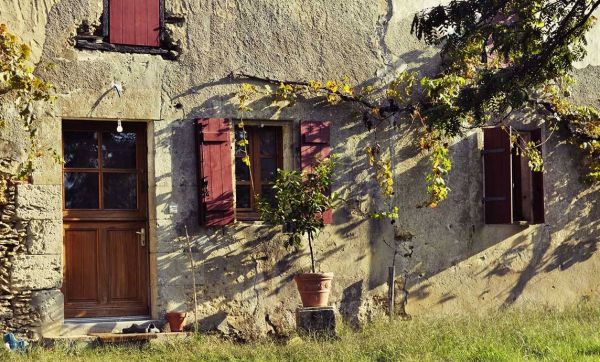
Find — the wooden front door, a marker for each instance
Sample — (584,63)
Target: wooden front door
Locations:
(105,220)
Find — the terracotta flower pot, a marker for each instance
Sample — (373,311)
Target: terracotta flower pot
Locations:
(176,320)
(314,288)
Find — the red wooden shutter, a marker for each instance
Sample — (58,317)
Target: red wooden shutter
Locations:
(497,174)
(215,171)
(315,143)
(134,22)
(537,184)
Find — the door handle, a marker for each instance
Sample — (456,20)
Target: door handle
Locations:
(142,234)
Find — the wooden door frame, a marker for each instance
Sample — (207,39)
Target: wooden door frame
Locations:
(146,206)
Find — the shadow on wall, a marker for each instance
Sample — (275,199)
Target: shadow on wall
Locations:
(245,264)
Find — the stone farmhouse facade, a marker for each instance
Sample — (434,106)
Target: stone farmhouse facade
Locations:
(103,235)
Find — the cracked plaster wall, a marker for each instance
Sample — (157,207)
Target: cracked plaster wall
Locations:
(245,276)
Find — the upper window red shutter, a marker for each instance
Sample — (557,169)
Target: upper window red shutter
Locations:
(134,22)
(315,143)
(497,174)
(215,171)
(537,183)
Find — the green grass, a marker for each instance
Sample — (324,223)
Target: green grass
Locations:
(513,335)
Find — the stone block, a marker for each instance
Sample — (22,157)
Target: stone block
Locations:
(317,321)
(44,237)
(50,306)
(39,202)
(36,272)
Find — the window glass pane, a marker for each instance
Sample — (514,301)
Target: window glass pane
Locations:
(239,135)
(268,194)
(81,190)
(242,171)
(119,191)
(268,142)
(268,169)
(118,150)
(242,197)
(80,149)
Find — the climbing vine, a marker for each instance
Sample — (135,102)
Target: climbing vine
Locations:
(18,81)
(498,57)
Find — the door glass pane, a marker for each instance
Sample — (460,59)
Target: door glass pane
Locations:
(119,191)
(118,149)
(268,142)
(242,197)
(80,149)
(81,190)
(268,169)
(268,194)
(242,171)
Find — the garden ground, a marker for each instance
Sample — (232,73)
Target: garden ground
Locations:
(511,335)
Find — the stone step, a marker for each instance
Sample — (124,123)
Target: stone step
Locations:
(87,326)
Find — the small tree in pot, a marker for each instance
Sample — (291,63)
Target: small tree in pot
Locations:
(301,200)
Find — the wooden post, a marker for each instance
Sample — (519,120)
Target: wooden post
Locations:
(391,294)
(191,257)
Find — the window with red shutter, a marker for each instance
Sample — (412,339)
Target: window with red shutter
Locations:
(513,193)
(265,150)
(215,171)
(315,144)
(134,22)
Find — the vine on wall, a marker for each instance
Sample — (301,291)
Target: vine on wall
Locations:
(19,84)
(499,57)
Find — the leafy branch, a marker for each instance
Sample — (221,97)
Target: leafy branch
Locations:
(17,80)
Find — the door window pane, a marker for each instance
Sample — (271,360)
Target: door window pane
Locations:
(118,149)
(81,190)
(268,142)
(268,169)
(80,149)
(242,171)
(268,194)
(242,197)
(119,191)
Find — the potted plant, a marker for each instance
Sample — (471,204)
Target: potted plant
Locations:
(300,201)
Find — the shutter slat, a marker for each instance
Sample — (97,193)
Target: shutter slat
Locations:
(497,173)
(315,143)
(537,183)
(115,19)
(215,166)
(134,22)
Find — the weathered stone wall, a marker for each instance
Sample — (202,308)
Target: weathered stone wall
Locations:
(29,275)
(244,274)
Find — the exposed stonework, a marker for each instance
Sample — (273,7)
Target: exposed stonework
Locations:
(459,265)
(26,273)
(17,312)
(32,202)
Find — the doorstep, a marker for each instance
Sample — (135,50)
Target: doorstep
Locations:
(88,326)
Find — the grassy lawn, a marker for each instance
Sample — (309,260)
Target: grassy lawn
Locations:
(510,336)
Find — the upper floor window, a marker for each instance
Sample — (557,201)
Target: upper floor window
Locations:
(134,22)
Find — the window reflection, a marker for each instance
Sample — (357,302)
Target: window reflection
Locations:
(119,150)
(119,191)
(80,149)
(81,190)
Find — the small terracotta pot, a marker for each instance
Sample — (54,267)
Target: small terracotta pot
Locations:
(176,320)
(314,288)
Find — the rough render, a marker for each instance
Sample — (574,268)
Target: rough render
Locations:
(244,275)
